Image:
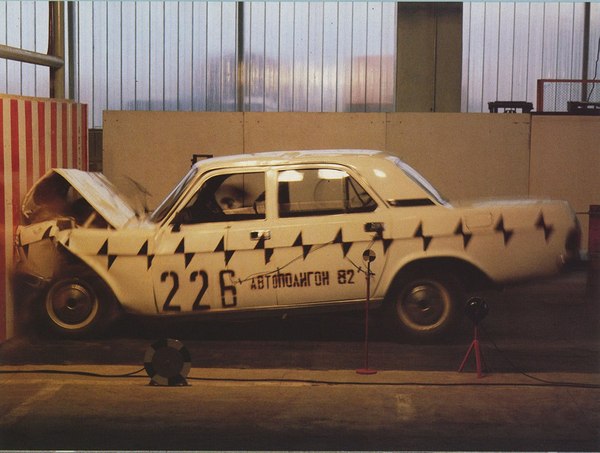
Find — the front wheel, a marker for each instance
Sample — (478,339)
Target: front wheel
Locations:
(425,305)
(77,306)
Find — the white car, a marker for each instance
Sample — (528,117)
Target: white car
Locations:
(280,232)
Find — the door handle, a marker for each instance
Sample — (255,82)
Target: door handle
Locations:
(374,227)
(257,235)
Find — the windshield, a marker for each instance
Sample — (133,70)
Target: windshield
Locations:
(419,179)
(165,207)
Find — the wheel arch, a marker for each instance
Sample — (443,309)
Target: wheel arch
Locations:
(71,260)
(469,276)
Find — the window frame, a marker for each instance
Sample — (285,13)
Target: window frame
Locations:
(225,174)
(357,179)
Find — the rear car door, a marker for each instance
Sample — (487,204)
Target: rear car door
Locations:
(325,221)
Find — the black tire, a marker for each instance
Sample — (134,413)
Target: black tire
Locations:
(425,304)
(77,305)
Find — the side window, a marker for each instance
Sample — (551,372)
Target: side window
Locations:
(320,191)
(224,198)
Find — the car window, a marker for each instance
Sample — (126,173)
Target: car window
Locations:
(419,179)
(224,198)
(320,191)
(167,204)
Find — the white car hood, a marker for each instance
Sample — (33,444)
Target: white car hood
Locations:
(93,187)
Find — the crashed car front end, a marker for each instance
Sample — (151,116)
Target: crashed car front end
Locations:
(37,257)
(61,201)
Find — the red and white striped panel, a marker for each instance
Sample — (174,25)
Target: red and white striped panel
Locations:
(35,135)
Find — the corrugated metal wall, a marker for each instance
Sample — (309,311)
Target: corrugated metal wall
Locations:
(184,56)
(297,56)
(24,25)
(508,46)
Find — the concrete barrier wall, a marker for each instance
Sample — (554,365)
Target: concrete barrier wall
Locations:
(465,155)
(35,135)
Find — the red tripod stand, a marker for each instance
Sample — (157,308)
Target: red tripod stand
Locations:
(478,357)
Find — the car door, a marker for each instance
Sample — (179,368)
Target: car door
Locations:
(325,221)
(202,257)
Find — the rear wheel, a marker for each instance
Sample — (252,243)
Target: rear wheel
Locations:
(425,304)
(78,306)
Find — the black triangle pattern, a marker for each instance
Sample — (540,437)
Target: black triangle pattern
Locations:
(260,245)
(181,247)
(221,248)
(345,245)
(221,245)
(541,225)
(188,258)
(268,252)
(386,244)
(144,252)
(104,249)
(299,242)
(228,256)
(306,250)
(426,239)
(507,234)
(111,260)
(104,252)
(268,255)
(47,233)
(466,236)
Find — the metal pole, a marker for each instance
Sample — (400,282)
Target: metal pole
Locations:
(56,48)
(71,49)
(369,256)
(586,51)
(27,56)
(240,58)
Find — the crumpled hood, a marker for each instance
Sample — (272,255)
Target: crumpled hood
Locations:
(53,192)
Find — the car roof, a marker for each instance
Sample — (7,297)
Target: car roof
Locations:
(340,156)
(369,162)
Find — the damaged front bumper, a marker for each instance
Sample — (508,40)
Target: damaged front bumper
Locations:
(37,257)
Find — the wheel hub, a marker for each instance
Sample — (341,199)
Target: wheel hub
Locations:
(71,304)
(424,306)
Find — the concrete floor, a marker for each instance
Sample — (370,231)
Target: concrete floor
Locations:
(293,386)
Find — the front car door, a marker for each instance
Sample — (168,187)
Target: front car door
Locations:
(201,258)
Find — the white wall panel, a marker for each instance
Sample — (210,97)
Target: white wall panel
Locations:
(199,55)
(28,38)
(115,46)
(84,43)
(506,45)
(272,70)
(519,84)
(100,79)
(142,56)
(184,74)
(14,81)
(314,92)
(256,58)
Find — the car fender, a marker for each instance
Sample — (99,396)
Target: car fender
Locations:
(117,259)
